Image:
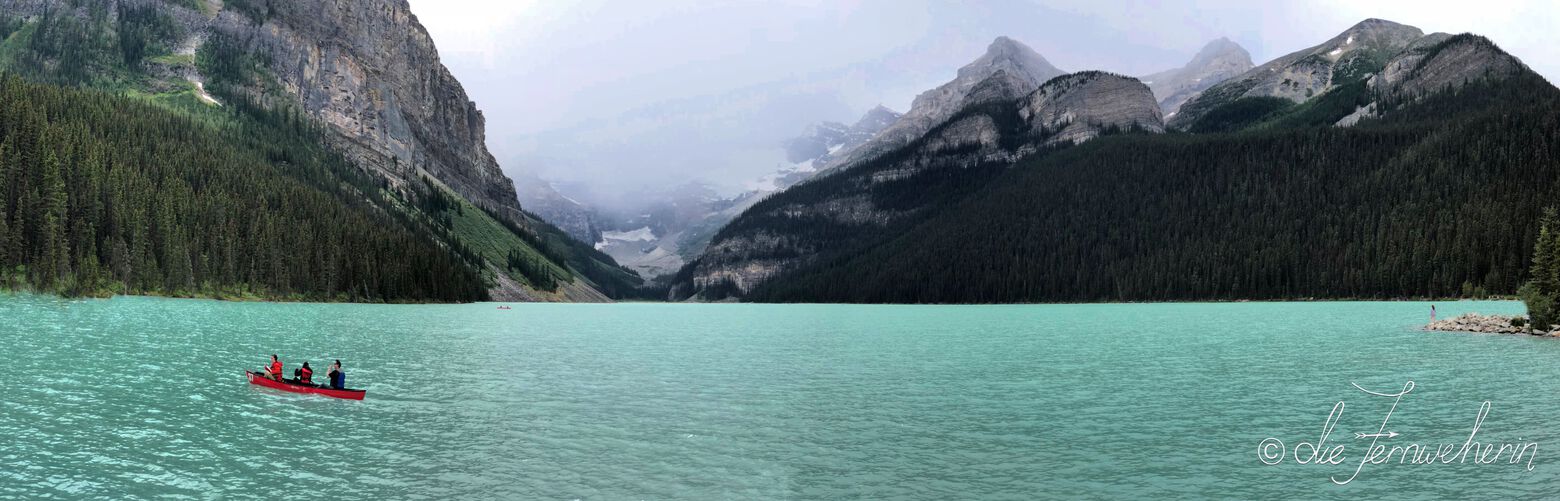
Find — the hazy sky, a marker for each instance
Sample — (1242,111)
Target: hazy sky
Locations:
(626,94)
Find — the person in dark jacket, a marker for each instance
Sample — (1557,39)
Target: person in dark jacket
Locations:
(338,379)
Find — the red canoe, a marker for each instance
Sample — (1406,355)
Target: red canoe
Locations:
(256,378)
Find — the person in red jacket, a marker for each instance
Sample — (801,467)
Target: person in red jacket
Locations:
(275,370)
(305,374)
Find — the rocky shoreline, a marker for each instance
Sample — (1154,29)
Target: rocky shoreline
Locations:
(1489,324)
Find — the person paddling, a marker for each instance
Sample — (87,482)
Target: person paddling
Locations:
(338,379)
(275,370)
(304,374)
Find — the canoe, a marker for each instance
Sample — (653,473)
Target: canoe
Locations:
(259,379)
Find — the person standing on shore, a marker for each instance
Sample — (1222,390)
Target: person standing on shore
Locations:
(1432,313)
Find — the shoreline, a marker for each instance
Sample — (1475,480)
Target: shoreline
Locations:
(262,299)
(1475,323)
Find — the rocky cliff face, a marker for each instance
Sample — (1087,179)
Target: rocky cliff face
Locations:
(1080,106)
(998,120)
(1351,56)
(539,197)
(365,68)
(1443,61)
(1433,63)
(1018,61)
(1218,61)
(370,71)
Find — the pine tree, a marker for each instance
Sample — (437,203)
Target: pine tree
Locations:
(54,249)
(1542,290)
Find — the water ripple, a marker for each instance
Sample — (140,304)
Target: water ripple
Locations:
(141,398)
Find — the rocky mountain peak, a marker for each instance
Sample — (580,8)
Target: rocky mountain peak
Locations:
(821,141)
(1219,60)
(1024,68)
(1221,51)
(877,119)
(1351,56)
(1377,25)
(1375,35)
(1006,54)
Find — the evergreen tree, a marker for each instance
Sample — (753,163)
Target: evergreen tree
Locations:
(115,195)
(1542,291)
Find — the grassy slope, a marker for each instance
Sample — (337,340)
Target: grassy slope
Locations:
(493,242)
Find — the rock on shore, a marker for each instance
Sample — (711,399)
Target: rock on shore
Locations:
(1489,324)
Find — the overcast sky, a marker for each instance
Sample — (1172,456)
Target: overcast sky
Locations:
(627,94)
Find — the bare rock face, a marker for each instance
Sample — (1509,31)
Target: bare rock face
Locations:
(365,68)
(1078,107)
(540,198)
(1218,61)
(1434,63)
(1018,61)
(1349,57)
(370,71)
(1442,61)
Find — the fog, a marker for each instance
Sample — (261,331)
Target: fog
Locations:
(623,96)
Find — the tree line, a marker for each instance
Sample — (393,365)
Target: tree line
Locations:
(1440,198)
(106,194)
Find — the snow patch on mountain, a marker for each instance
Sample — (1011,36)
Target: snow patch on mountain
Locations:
(644,234)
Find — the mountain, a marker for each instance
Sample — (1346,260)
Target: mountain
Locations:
(1218,61)
(352,81)
(1436,193)
(539,197)
(1019,62)
(1435,62)
(1000,120)
(819,144)
(822,140)
(675,226)
(1350,57)
(648,237)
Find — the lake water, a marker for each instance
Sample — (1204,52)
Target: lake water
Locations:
(142,397)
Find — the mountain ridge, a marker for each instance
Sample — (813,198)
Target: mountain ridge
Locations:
(1002,119)
(1350,56)
(937,105)
(836,237)
(1219,60)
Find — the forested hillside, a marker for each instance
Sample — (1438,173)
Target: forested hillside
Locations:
(105,194)
(123,175)
(1439,197)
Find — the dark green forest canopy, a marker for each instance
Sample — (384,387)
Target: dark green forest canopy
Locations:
(1439,198)
(105,194)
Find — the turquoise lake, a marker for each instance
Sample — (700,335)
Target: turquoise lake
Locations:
(144,398)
